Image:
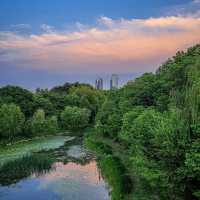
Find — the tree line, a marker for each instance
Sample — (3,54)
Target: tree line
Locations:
(154,121)
(27,114)
(152,124)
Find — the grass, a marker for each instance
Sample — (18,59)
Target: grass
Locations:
(98,147)
(13,171)
(115,174)
(113,164)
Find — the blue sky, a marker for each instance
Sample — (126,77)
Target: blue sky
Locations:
(28,29)
(62,12)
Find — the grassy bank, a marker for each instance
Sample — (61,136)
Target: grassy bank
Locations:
(113,165)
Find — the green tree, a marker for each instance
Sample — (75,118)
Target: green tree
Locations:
(64,89)
(87,97)
(159,141)
(27,130)
(108,120)
(74,118)
(11,121)
(41,102)
(53,103)
(191,114)
(52,125)
(19,96)
(142,91)
(128,123)
(38,123)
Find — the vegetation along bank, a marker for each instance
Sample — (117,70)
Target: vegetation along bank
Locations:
(146,134)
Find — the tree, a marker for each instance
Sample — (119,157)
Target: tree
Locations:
(52,125)
(19,96)
(87,97)
(27,130)
(128,123)
(41,102)
(38,123)
(108,120)
(158,118)
(11,121)
(64,89)
(74,118)
(191,113)
(142,91)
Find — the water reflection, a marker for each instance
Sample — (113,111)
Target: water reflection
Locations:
(45,176)
(13,171)
(71,170)
(73,182)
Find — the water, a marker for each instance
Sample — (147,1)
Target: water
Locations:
(68,173)
(18,150)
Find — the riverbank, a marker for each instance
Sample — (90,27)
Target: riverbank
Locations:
(20,149)
(112,160)
(16,140)
(114,164)
(67,172)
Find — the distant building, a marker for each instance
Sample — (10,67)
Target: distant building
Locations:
(99,84)
(114,81)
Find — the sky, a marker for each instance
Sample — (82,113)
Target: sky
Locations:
(46,43)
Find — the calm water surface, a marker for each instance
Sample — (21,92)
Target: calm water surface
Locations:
(74,175)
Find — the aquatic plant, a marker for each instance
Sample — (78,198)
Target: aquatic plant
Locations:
(13,171)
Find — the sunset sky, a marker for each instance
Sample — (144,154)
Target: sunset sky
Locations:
(47,42)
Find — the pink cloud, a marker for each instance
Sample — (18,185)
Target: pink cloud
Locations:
(136,45)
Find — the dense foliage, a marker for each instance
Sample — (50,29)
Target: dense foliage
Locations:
(19,96)
(150,127)
(27,114)
(11,120)
(74,118)
(153,125)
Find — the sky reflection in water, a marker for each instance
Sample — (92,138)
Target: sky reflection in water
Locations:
(69,181)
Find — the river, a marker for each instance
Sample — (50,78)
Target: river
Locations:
(55,168)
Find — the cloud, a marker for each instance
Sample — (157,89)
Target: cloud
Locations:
(191,9)
(20,28)
(47,28)
(196,1)
(136,45)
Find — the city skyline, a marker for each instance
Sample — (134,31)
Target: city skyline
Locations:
(113,81)
(43,43)
(99,84)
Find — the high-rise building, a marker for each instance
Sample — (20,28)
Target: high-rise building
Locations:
(114,81)
(99,84)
